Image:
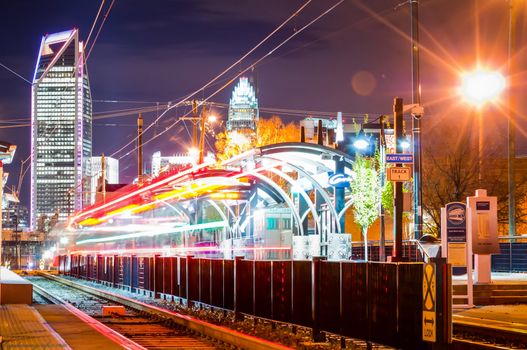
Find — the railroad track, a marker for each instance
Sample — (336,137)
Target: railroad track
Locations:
(143,326)
(470,333)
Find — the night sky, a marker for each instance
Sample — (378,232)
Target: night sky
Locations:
(355,59)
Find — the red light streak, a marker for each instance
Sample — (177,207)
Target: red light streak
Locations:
(171,251)
(152,186)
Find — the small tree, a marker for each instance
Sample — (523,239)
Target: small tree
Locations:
(365,192)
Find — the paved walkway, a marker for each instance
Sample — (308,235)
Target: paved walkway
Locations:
(22,327)
(78,334)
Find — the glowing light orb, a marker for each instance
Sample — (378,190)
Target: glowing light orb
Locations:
(481,86)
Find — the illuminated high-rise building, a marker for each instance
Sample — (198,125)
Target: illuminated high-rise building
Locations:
(61,127)
(243,108)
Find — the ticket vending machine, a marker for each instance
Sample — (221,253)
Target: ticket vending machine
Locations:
(482,226)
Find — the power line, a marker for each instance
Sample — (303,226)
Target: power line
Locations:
(94,23)
(15,73)
(189,96)
(124,101)
(14,126)
(232,79)
(100,28)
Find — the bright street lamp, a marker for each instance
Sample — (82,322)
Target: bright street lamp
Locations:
(478,88)
(361,141)
(481,86)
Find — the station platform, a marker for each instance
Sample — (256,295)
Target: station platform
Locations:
(14,289)
(505,288)
(48,327)
(499,315)
(22,327)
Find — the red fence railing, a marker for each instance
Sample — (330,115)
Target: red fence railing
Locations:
(380,302)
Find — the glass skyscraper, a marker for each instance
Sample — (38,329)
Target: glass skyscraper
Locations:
(243,108)
(61,128)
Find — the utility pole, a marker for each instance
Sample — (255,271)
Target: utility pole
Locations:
(416,123)
(382,141)
(202,135)
(195,121)
(103,175)
(140,149)
(397,254)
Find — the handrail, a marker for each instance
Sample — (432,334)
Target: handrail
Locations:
(422,249)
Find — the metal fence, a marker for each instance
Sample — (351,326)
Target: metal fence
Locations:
(513,256)
(379,302)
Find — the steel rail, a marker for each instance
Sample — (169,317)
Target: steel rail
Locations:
(111,334)
(223,334)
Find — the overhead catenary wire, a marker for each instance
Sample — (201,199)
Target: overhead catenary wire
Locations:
(236,76)
(100,28)
(189,96)
(15,73)
(94,23)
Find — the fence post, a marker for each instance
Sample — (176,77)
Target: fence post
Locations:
(237,314)
(115,270)
(318,336)
(443,303)
(187,260)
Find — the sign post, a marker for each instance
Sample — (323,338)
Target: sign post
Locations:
(455,245)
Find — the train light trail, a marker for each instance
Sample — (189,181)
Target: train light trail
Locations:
(204,226)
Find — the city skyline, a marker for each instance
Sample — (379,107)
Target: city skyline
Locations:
(154,54)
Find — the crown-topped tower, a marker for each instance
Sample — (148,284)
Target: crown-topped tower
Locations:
(243,108)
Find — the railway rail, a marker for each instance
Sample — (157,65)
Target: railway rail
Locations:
(468,334)
(143,326)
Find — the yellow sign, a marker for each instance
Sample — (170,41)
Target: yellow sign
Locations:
(457,254)
(399,174)
(429,302)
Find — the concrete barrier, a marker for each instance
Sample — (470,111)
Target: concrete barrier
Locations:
(14,289)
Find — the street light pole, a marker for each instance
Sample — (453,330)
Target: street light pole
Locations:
(382,142)
(512,118)
(480,147)
(416,122)
(140,149)
(397,254)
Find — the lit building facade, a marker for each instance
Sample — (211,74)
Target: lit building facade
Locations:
(111,173)
(61,127)
(243,108)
